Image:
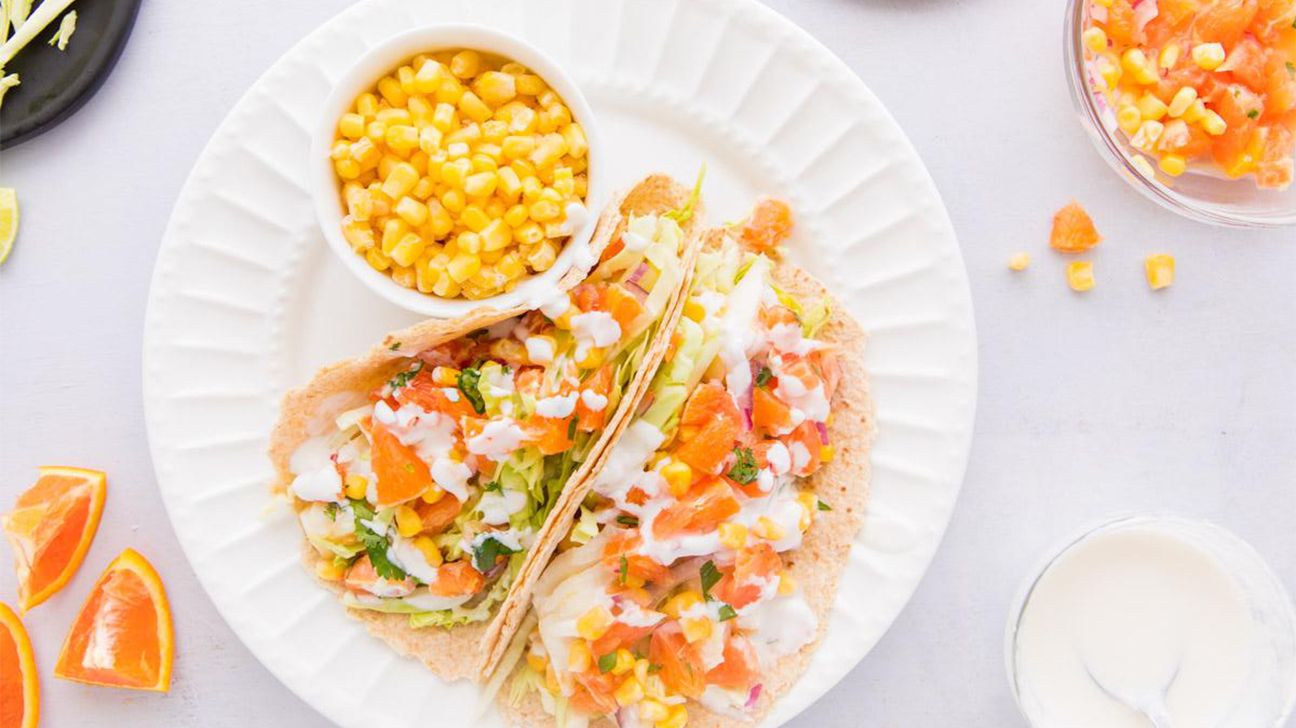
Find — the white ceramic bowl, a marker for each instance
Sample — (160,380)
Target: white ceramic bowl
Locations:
(381,60)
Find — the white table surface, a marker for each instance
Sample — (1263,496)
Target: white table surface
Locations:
(1118,400)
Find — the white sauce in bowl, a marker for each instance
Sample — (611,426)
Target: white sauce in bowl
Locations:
(1145,603)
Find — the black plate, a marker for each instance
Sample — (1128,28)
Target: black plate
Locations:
(55,84)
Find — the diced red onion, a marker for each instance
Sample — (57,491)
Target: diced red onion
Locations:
(637,291)
(753,696)
(1145,11)
(747,418)
(638,274)
(823,433)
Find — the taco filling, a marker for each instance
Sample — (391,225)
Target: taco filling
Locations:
(672,585)
(424,500)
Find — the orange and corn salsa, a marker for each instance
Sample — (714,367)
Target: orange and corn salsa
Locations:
(673,586)
(1201,84)
(424,498)
(461,173)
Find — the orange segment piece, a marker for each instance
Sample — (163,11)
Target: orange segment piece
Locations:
(715,417)
(769,225)
(1073,230)
(401,474)
(19,688)
(123,636)
(51,528)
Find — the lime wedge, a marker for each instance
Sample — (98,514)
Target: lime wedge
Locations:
(8,220)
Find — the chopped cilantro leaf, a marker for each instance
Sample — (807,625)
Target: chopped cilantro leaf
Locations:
(709,575)
(763,376)
(1291,68)
(824,506)
(374,544)
(653,667)
(395,345)
(745,469)
(403,379)
(493,487)
(571,429)
(727,613)
(331,510)
(630,521)
(1253,114)
(624,570)
(607,662)
(469,379)
(488,552)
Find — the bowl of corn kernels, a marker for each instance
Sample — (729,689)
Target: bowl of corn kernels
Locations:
(1192,101)
(457,167)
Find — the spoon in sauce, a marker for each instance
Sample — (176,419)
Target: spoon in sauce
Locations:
(1151,704)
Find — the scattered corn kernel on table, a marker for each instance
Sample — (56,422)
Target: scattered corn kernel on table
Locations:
(1117,399)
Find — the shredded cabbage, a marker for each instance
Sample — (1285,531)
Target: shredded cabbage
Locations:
(813,316)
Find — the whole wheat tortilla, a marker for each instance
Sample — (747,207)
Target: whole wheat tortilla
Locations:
(458,652)
(843,484)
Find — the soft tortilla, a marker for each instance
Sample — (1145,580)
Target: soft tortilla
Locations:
(843,484)
(459,652)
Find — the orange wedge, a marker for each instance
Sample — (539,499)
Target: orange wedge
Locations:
(51,528)
(19,691)
(123,637)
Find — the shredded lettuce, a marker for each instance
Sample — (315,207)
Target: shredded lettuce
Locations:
(340,550)
(683,214)
(670,386)
(813,316)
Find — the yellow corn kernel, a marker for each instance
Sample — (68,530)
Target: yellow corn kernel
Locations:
(428,548)
(400,180)
(439,220)
(537,662)
(405,76)
(1173,164)
(553,119)
(1160,270)
(495,88)
(377,259)
(593,358)
(679,477)
(412,211)
(1135,62)
(1169,56)
(394,117)
(463,266)
(628,693)
(510,266)
(1213,124)
(1208,56)
(594,624)
(444,117)
(429,139)
(1196,112)
(733,535)
(404,275)
(827,453)
(390,89)
(678,718)
(1151,107)
(402,138)
(579,658)
(544,211)
(696,628)
(469,242)
(625,662)
(694,310)
(530,233)
(1094,39)
(465,64)
(1182,100)
(496,236)
(787,585)
(392,232)
(577,144)
(769,529)
(1147,135)
(408,523)
(1019,261)
(455,174)
(429,77)
(481,184)
(510,187)
(474,218)
(453,200)
(341,149)
(681,603)
(517,147)
(356,486)
(517,214)
(408,249)
(446,287)
(1128,118)
(1109,70)
(329,570)
(653,710)
(351,126)
(376,131)
(494,131)
(367,105)
(1080,275)
(358,234)
(347,168)
(457,150)
(473,107)
(366,152)
(550,149)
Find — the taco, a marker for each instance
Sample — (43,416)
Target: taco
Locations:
(699,568)
(422,473)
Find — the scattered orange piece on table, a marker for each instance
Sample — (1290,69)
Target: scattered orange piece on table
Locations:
(1080,275)
(19,688)
(51,528)
(1160,270)
(1073,230)
(123,635)
(768,227)
(1019,261)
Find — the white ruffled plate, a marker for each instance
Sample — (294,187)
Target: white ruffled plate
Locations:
(247,301)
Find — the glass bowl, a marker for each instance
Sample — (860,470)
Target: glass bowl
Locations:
(1200,193)
(1263,591)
